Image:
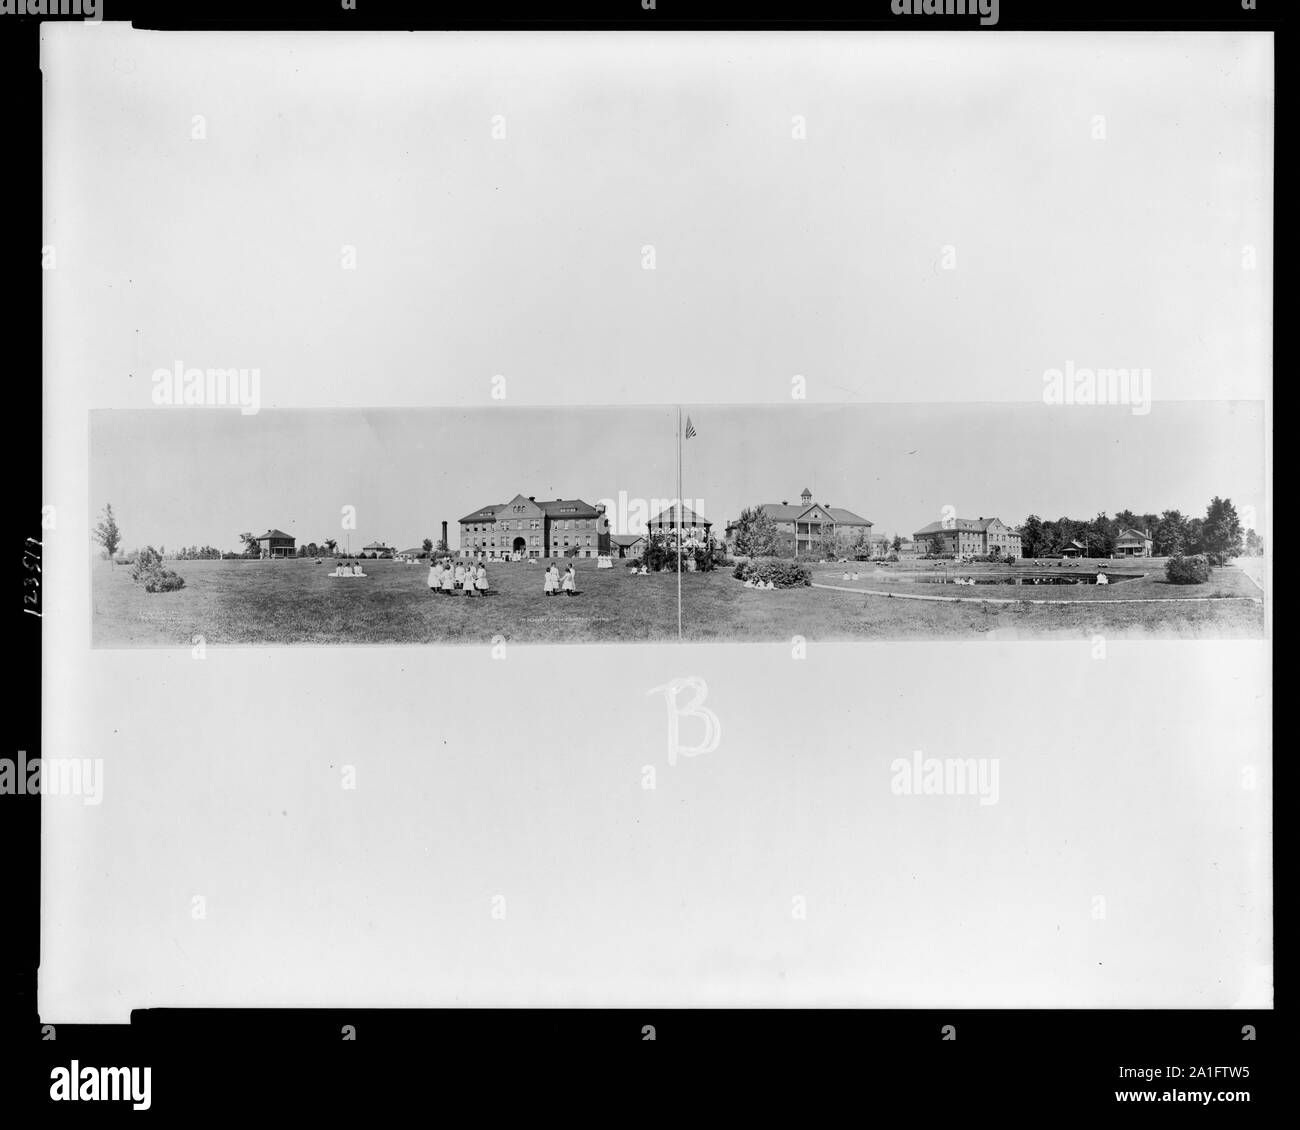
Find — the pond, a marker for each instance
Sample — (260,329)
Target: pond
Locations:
(1016,578)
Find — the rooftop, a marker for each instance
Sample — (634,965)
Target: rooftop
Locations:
(783,512)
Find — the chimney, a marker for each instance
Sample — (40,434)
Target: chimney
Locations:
(532,498)
(444,535)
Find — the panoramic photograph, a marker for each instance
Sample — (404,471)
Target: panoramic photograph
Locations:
(730,523)
(601,522)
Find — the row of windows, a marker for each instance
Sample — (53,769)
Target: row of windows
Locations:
(534,540)
(533,524)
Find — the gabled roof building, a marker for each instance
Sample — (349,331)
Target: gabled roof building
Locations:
(524,527)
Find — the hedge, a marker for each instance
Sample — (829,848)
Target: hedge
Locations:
(1193,570)
(784,574)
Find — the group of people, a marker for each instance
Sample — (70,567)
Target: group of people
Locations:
(751,583)
(551,582)
(347,569)
(467,577)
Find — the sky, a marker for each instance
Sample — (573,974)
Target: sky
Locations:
(194,476)
(471,214)
(523,255)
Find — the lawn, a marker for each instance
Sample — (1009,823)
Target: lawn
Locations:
(294,602)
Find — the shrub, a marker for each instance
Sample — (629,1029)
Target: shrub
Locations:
(1193,570)
(784,574)
(661,556)
(150,571)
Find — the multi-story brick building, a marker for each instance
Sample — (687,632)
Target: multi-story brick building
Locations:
(968,537)
(524,527)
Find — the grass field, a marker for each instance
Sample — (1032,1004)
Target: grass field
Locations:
(294,602)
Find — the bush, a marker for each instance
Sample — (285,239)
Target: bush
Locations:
(661,556)
(150,571)
(782,573)
(1193,570)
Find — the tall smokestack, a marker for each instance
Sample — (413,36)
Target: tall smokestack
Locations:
(444,536)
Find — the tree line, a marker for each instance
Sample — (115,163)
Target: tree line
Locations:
(1219,535)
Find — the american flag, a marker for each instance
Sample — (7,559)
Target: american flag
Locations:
(690,428)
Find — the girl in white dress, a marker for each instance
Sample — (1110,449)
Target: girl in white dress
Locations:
(552,581)
(435,578)
(480,580)
(448,578)
(570,581)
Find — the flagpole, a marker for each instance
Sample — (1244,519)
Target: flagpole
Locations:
(679,521)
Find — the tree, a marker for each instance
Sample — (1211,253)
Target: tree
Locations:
(896,544)
(302,551)
(1169,535)
(755,534)
(1221,534)
(330,544)
(427,546)
(1032,537)
(251,548)
(442,545)
(107,533)
(1101,535)
(1254,544)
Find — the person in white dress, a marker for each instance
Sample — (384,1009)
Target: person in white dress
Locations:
(448,578)
(435,577)
(481,580)
(551,583)
(1102,579)
(570,581)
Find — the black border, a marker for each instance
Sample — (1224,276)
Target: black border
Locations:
(202,1060)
